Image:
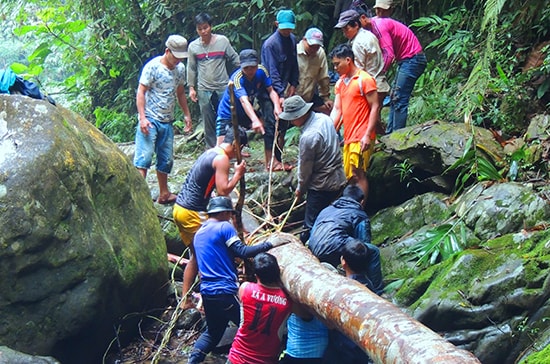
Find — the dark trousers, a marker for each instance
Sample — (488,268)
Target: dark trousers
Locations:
(219,310)
(315,202)
(269,125)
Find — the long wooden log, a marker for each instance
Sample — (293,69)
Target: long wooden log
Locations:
(387,334)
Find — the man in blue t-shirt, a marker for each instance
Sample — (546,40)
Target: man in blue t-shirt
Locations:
(249,80)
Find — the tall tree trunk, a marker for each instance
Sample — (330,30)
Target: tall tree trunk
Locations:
(385,333)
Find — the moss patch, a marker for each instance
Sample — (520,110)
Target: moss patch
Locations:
(540,357)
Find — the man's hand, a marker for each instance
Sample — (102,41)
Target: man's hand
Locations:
(240,168)
(365,143)
(193,94)
(298,195)
(329,104)
(277,240)
(188,125)
(144,126)
(258,127)
(290,91)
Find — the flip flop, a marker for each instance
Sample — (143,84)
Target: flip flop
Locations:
(276,167)
(279,167)
(167,201)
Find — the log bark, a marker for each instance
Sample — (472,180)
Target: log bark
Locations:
(387,334)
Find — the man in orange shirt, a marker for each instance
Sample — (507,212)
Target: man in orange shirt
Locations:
(356,108)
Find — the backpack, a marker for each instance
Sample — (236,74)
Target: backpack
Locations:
(11,83)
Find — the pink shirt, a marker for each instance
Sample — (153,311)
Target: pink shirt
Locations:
(397,41)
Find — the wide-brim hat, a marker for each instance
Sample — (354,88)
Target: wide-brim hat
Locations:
(220,204)
(294,107)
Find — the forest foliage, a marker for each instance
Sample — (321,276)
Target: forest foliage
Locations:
(489,61)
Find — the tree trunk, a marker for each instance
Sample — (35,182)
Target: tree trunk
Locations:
(385,333)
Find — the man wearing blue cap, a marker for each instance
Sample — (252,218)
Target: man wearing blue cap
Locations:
(314,83)
(279,58)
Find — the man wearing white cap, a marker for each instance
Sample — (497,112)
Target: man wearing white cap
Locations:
(314,83)
(161,84)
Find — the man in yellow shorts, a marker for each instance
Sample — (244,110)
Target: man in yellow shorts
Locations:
(356,108)
(210,170)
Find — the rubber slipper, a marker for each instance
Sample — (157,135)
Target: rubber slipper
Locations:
(277,167)
(166,201)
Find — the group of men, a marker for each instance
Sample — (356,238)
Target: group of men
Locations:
(287,84)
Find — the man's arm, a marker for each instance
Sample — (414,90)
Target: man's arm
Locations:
(192,76)
(336,113)
(294,70)
(308,148)
(232,58)
(324,82)
(257,124)
(182,100)
(275,100)
(224,185)
(144,124)
(372,99)
(269,61)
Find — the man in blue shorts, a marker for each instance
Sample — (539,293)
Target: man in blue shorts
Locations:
(161,84)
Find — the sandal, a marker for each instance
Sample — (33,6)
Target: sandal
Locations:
(167,201)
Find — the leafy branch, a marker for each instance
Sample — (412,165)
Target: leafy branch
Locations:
(438,244)
(472,165)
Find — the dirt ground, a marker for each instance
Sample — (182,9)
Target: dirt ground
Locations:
(153,341)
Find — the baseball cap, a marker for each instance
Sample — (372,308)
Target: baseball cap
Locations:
(383,4)
(314,36)
(248,57)
(286,19)
(177,45)
(346,17)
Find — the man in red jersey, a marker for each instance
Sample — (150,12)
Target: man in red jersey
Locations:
(265,307)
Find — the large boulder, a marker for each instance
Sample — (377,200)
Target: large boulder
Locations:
(81,245)
(492,298)
(415,160)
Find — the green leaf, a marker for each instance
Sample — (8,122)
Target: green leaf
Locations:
(25,29)
(75,26)
(41,52)
(18,68)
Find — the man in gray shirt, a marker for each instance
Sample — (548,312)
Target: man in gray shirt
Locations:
(211,60)
(320,168)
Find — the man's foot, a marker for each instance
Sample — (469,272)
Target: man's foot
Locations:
(167,200)
(186,304)
(278,167)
